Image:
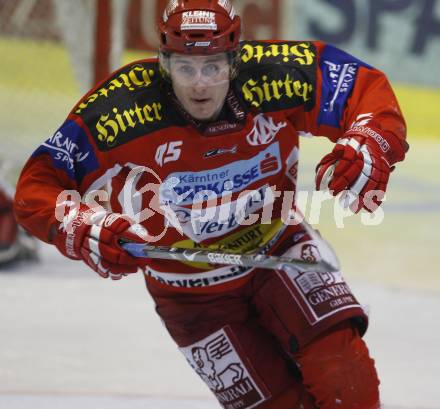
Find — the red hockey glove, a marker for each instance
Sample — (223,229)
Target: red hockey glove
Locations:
(360,165)
(94,238)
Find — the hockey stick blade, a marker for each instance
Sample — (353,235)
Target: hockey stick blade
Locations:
(222,258)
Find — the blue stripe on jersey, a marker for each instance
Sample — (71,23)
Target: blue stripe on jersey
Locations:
(70,151)
(339,71)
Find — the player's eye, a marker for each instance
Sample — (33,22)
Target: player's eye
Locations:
(210,70)
(187,70)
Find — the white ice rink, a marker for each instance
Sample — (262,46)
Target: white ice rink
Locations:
(71,340)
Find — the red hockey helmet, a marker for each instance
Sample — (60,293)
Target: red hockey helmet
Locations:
(199,27)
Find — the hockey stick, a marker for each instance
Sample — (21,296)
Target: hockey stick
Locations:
(224,258)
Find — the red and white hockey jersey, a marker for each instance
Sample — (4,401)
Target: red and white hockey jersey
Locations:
(129,138)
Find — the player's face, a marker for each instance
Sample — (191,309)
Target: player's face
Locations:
(200,83)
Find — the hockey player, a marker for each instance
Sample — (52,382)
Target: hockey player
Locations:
(15,244)
(214,124)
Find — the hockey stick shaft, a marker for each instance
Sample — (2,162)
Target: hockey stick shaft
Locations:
(224,258)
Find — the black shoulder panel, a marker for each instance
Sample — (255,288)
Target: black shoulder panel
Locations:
(279,75)
(126,106)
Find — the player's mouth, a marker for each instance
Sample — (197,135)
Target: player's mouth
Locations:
(200,101)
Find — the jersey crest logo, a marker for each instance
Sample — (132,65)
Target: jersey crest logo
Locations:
(264,130)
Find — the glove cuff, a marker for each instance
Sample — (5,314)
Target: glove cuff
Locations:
(72,230)
(390,146)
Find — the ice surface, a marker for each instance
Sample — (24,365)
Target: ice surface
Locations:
(97,402)
(70,339)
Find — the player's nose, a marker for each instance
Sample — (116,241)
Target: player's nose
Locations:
(199,88)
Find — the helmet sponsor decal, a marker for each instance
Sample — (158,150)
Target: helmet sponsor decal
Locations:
(198,44)
(198,20)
